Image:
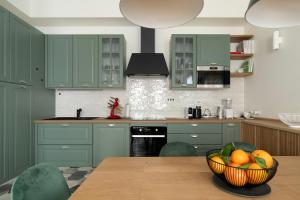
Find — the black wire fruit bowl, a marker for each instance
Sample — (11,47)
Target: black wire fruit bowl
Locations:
(247,180)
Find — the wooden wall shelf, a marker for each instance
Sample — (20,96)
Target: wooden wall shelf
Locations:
(241,75)
(239,38)
(240,56)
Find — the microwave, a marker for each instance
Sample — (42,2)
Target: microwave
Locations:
(213,77)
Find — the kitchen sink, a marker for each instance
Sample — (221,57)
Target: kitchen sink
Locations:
(72,118)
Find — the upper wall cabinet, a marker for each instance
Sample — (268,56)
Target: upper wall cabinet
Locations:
(213,50)
(111,61)
(85,61)
(4,45)
(183,59)
(59,61)
(20,33)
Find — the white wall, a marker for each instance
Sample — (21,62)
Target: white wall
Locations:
(146,95)
(275,85)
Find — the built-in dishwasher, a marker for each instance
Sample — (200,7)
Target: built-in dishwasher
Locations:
(147,141)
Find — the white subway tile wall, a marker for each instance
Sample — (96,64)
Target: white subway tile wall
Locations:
(148,97)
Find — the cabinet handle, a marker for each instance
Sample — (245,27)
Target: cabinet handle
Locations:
(22,81)
(110,85)
(196,147)
(65,147)
(61,85)
(231,125)
(184,85)
(111,125)
(213,63)
(65,125)
(194,136)
(23,87)
(194,125)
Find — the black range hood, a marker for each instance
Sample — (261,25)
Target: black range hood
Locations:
(147,63)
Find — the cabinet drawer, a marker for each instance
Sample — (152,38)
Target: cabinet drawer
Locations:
(65,134)
(65,155)
(196,138)
(202,149)
(195,128)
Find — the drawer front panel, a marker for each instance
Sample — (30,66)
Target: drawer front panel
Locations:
(65,134)
(195,128)
(202,149)
(65,155)
(196,138)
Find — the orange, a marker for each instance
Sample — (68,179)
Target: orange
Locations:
(255,174)
(264,155)
(235,176)
(217,164)
(239,157)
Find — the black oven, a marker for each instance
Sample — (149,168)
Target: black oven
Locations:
(147,140)
(213,77)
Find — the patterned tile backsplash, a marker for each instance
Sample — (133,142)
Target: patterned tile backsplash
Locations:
(148,97)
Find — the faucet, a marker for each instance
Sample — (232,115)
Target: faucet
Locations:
(78,112)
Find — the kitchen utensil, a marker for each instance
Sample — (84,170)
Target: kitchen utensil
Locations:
(290,119)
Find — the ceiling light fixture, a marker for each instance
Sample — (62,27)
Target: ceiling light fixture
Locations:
(273,13)
(160,13)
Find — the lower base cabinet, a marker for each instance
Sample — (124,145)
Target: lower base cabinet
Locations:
(110,140)
(66,155)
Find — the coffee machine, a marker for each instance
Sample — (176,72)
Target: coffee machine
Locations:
(227,108)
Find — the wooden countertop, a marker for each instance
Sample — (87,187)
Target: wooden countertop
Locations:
(271,123)
(174,178)
(167,121)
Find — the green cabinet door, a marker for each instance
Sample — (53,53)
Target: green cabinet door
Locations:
(213,50)
(37,58)
(85,61)
(111,61)
(3,133)
(110,140)
(59,61)
(4,45)
(183,61)
(231,133)
(21,135)
(20,50)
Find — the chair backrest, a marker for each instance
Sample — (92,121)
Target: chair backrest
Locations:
(41,182)
(174,149)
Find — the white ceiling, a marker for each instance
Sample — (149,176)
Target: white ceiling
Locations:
(110,8)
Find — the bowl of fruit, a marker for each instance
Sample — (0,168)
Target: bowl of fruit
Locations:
(242,169)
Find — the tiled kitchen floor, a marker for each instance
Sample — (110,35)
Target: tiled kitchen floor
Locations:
(73,176)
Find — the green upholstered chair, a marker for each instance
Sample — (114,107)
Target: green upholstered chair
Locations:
(174,149)
(41,182)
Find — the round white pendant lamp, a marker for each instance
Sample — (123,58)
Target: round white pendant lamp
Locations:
(160,13)
(274,13)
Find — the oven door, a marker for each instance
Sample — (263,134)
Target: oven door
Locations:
(213,77)
(146,145)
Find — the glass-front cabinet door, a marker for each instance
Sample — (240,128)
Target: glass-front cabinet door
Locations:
(183,58)
(111,61)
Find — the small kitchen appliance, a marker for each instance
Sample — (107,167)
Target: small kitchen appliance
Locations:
(227,108)
(213,77)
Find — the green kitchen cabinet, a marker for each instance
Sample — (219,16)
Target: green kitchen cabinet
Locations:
(4,132)
(21,130)
(4,45)
(37,58)
(231,133)
(183,61)
(85,61)
(111,61)
(65,145)
(20,34)
(59,56)
(203,137)
(110,140)
(65,155)
(213,50)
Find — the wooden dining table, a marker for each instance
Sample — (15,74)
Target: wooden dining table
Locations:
(175,178)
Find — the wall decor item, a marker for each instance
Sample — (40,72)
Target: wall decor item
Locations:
(273,13)
(160,14)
